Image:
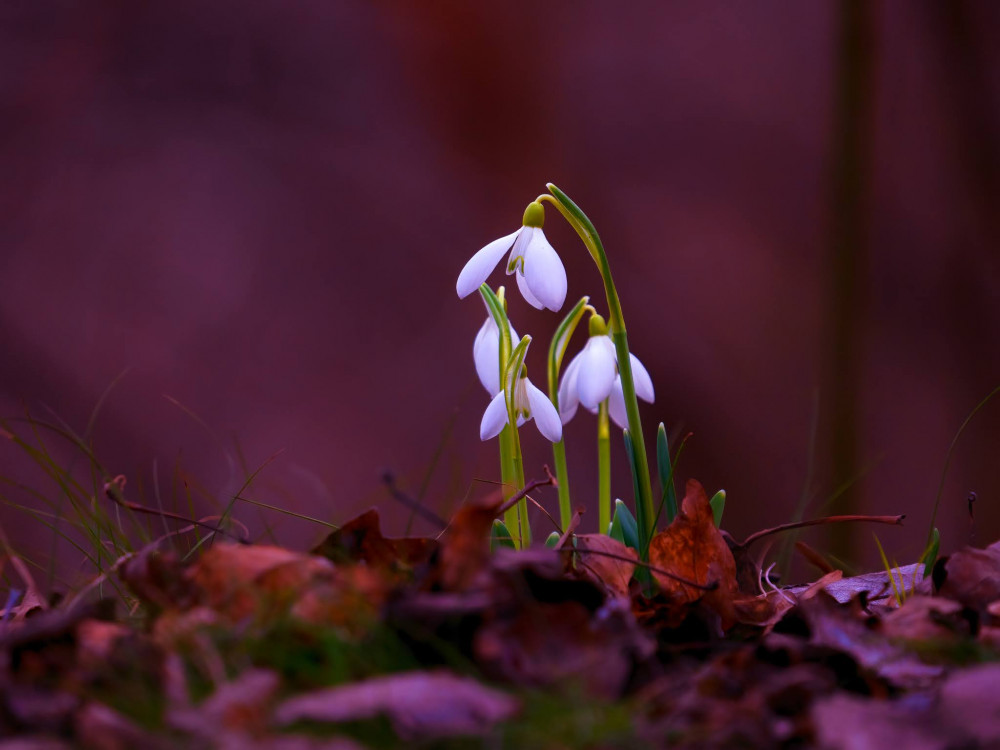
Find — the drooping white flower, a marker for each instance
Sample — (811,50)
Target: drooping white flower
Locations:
(592,376)
(486,353)
(589,377)
(529,403)
(540,274)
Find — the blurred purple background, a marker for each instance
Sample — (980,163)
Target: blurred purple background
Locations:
(260,209)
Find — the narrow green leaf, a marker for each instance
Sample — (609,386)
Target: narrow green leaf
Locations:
(718,503)
(665,468)
(644,534)
(931,553)
(552,539)
(670,498)
(623,526)
(888,569)
(500,536)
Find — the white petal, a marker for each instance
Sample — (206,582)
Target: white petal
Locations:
(643,383)
(616,405)
(568,398)
(482,264)
(544,272)
(516,259)
(486,354)
(494,418)
(567,413)
(597,371)
(530,298)
(544,413)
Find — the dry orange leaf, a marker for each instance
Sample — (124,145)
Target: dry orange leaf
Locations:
(606,561)
(693,549)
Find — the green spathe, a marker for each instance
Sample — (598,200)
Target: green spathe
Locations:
(597,326)
(534,215)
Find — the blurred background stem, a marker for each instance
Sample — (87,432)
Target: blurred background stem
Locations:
(850,177)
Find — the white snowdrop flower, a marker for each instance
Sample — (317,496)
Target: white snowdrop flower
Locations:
(529,403)
(486,353)
(589,377)
(540,274)
(592,377)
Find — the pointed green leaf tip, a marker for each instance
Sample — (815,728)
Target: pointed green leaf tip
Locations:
(623,526)
(597,326)
(718,503)
(552,540)
(534,215)
(500,536)
(665,469)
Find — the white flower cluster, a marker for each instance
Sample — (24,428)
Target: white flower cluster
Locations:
(591,377)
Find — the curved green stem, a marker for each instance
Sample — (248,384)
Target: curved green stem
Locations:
(603,469)
(585,228)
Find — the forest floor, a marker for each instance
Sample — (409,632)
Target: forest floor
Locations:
(372,642)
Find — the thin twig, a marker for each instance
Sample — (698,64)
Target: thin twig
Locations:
(415,506)
(680,579)
(531,486)
(79,595)
(891,520)
(574,521)
(114,491)
(548,515)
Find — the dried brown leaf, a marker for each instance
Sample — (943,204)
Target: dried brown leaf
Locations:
(360,540)
(692,548)
(465,546)
(611,570)
(235,579)
(420,705)
(970,576)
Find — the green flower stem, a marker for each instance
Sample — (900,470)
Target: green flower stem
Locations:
(645,512)
(557,349)
(562,477)
(509,477)
(603,469)
(521,509)
(511,474)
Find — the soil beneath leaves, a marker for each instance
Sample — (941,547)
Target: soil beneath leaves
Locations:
(370,642)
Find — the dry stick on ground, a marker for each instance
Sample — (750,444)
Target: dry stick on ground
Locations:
(891,520)
(389,480)
(534,484)
(114,490)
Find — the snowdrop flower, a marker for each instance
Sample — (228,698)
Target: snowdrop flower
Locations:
(541,276)
(529,403)
(486,353)
(592,376)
